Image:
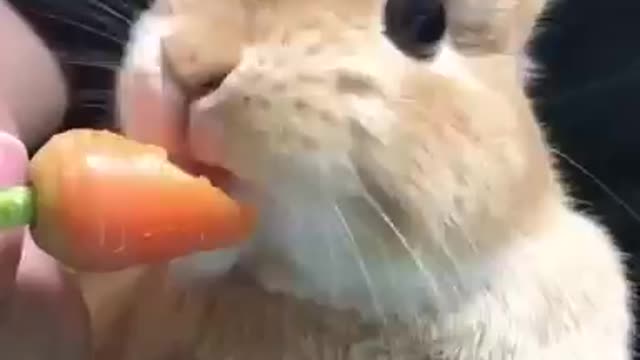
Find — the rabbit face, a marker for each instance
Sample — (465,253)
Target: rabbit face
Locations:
(324,106)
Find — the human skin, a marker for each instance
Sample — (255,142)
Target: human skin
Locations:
(42,315)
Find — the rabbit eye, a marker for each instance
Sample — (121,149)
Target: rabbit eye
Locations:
(415,26)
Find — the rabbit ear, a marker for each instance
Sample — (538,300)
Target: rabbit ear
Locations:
(491,26)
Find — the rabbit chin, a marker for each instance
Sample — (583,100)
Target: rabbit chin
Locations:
(331,253)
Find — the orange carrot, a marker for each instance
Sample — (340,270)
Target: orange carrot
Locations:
(103,203)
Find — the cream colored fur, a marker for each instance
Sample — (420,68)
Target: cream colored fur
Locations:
(410,210)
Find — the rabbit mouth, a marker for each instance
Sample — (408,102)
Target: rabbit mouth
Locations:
(154,108)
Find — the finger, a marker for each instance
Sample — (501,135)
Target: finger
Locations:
(31,82)
(41,275)
(13,163)
(13,160)
(48,319)
(10,246)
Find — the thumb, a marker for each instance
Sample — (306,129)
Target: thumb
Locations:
(13,161)
(13,166)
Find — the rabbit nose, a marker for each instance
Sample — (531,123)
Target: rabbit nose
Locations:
(205,44)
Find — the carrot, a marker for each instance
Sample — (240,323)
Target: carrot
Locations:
(101,202)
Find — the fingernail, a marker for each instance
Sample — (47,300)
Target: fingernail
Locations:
(13,161)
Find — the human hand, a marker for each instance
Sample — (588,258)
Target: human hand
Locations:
(42,315)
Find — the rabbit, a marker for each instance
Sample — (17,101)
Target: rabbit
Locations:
(410,206)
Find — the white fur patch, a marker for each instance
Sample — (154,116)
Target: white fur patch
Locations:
(374,116)
(333,254)
(450,64)
(144,50)
(204,266)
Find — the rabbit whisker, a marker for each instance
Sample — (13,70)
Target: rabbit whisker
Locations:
(403,240)
(112,11)
(85,27)
(600,183)
(361,263)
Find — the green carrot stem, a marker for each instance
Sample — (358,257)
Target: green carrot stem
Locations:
(17,207)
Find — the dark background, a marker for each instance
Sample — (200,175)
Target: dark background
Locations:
(588,100)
